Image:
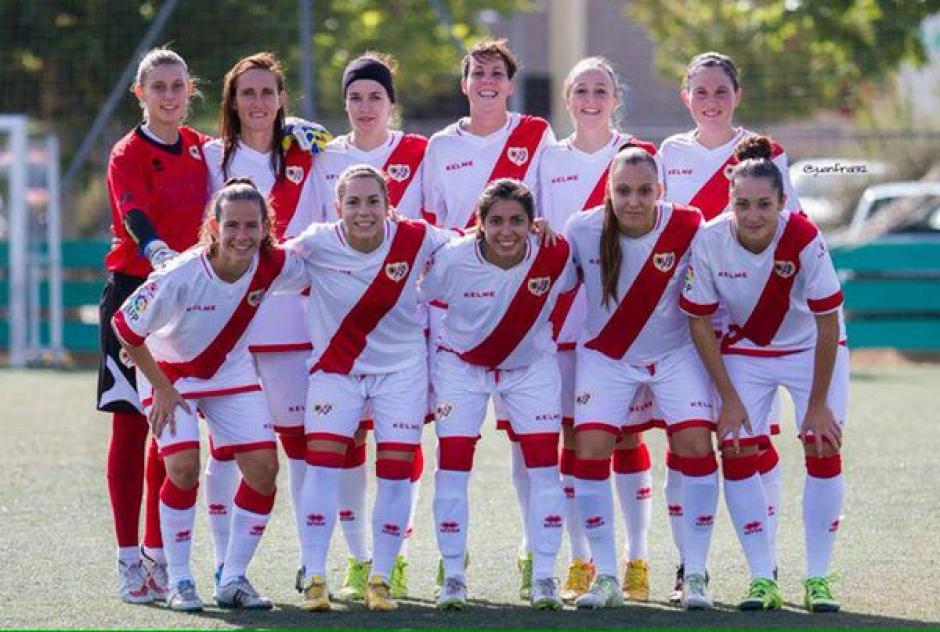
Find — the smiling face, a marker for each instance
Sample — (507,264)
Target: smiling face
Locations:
(164,94)
(257,99)
(367,106)
(487,85)
(634,190)
(756,204)
(363,209)
(241,228)
(505,228)
(591,99)
(711,98)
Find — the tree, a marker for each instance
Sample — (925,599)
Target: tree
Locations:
(796,56)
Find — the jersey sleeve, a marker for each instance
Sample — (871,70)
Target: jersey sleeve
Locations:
(568,280)
(433,286)
(821,284)
(294,276)
(412,203)
(699,292)
(435,202)
(437,237)
(149,308)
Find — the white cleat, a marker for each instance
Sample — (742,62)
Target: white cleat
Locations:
(545,594)
(182,597)
(133,583)
(695,593)
(157,579)
(239,593)
(604,593)
(453,594)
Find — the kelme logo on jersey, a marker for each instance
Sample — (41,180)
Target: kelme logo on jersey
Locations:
(322,408)
(518,155)
(664,261)
(784,269)
(397,271)
(398,173)
(254,297)
(295,174)
(443,411)
(194,152)
(539,285)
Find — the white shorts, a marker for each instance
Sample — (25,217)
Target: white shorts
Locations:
(567,364)
(283,376)
(336,402)
(238,422)
(756,380)
(530,395)
(606,388)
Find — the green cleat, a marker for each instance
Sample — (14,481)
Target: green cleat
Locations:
(524,564)
(762,594)
(356,579)
(818,597)
(399,578)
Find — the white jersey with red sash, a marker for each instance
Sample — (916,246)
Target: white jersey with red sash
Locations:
(293,199)
(362,308)
(644,322)
(571,180)
(195,324)
(458,165)
(772,297)
(498,318)
(400,157)
(697,176)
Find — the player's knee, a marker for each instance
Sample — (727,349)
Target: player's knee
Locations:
(259,469)
(628,440)
(810,448)
(693,442)
(594,444)
(183,468)
(567,436)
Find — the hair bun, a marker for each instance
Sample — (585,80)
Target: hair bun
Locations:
(754,147)
(241,180)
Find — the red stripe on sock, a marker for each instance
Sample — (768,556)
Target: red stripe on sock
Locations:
(566,463)
(393,469)
(673,461)
(417,465)
(321,458)
(456,453)
(632,460)
(254,501)
(825,467)
(539,449)
(176,498)
(768,458)
(355,456)
(295,446)
(699,465)
(592,469)
(739,468)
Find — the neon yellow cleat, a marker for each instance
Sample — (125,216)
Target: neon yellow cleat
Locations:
(316,595)
(578,581)
(762,594)
(636,580)
(356,578)
(524,564)
(379,594)
(399,578)
(818,597)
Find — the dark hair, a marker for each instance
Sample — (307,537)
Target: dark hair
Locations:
(234,189)
(490,48)
(230,126)
(504,189)
(372,65)
(611,254)
(711,59)
(755,160)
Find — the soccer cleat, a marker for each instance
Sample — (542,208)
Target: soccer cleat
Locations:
(157,579)
(299,579)
(182,597)
(379,594)
(695,593)
(762,594)
(545,594)
(636,580)
(399,578)
(676,596)
(453,594)
(316,595)
(439,578)
(133,583)
(239,593)
(356,578)
(524,564)
(818,596)
(580,575)
(217,583)
(604,593)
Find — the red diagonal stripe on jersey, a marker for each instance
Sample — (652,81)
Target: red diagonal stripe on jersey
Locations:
(527,135)
(523,310)
(641,299)
(378,299)
(560,312)
(204,365)
(285,194)
(712,198)
(409,152)
(774,301)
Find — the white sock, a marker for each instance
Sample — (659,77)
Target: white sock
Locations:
(520,480)
(451,518)
(296,469)
(409,532)
(700,500)
(221,482)
(636,503)
(545,519)
(154,554)
(320,490)
(672,490)
(352,511)
(573,524)
(772,481)
(596,506)
(176,527)
(128,554)
(822,509)
(389,522)
(247,529)
(747,505)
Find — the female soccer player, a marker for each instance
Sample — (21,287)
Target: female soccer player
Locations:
(184,329)
(695,165)
(573,178)
(772,271)
(157,187)
(461,159)
(252,124)
(500,287)
(369,94)
(633,253)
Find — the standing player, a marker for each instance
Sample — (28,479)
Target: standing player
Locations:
(696,165)
(573,178)
(252,126)
(157,188)
(633,253)
(500,287)
(369,95)
(185,330)
(772,272)
(461,159)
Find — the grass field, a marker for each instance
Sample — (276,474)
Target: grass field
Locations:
(57,556)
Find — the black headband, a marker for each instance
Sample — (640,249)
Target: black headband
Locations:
(367,68)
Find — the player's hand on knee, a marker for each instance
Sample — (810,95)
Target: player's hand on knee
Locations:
(732,418)
(821,423)
(163,410)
